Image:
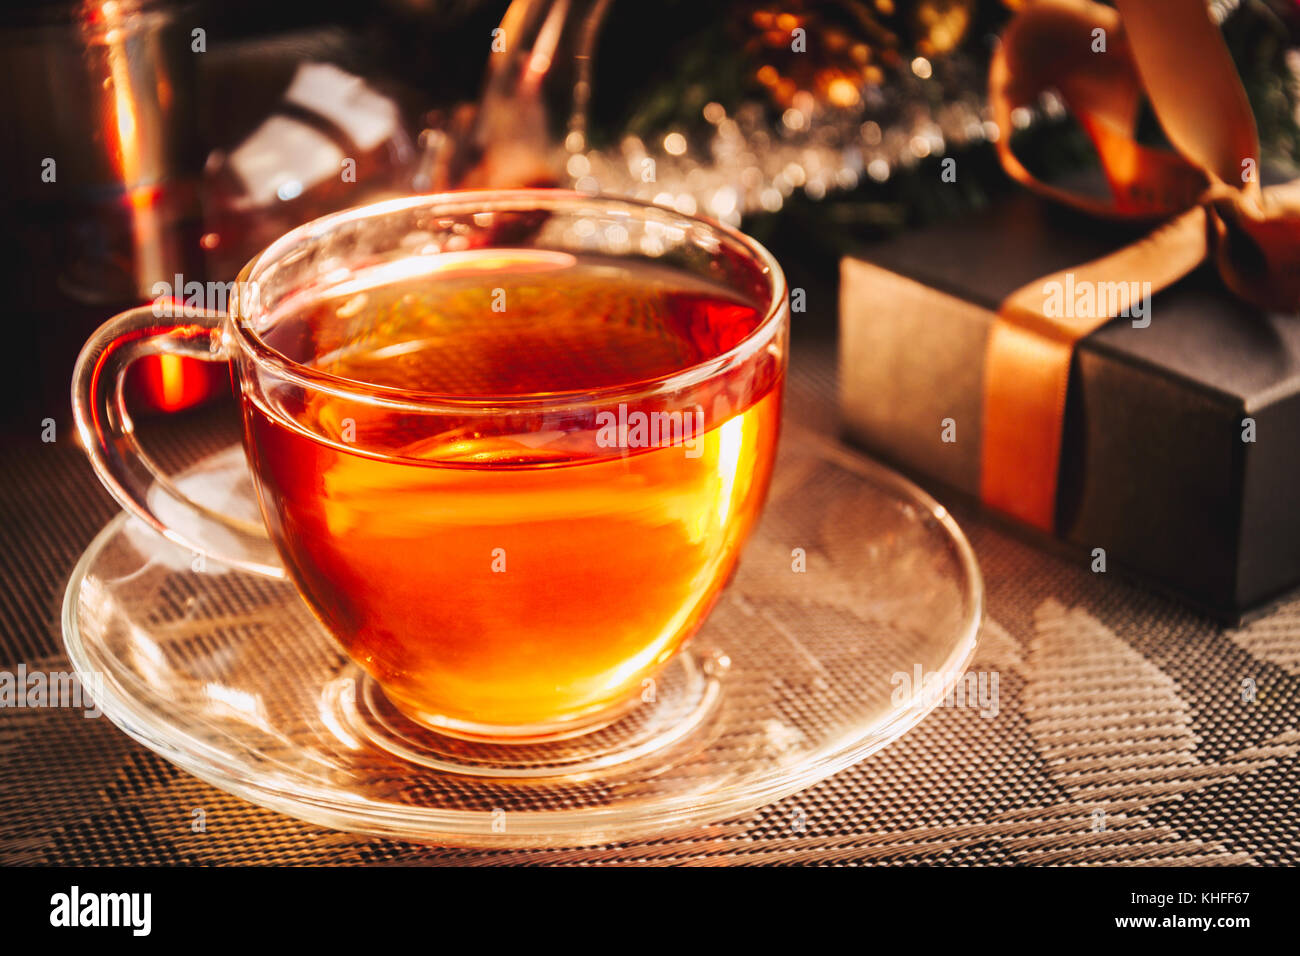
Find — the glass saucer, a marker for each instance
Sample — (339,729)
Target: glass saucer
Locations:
(854,582)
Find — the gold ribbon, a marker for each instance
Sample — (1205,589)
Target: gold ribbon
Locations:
(1207,190)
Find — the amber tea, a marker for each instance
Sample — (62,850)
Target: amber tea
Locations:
(534,549)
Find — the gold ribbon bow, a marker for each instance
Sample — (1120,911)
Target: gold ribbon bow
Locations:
(1170,51)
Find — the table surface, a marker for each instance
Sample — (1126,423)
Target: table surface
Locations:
(1122,734)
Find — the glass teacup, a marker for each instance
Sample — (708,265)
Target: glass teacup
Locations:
(507,445)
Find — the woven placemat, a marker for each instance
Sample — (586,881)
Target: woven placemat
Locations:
(1128,730)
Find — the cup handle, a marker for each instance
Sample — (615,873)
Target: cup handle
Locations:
(108,434)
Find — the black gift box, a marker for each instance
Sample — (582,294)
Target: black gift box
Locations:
(1156,468)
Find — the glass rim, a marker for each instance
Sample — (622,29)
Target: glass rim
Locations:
(775,310)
